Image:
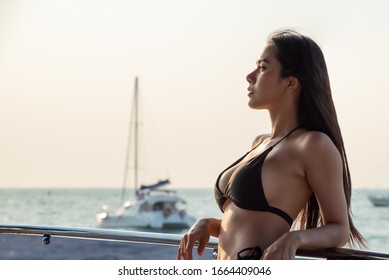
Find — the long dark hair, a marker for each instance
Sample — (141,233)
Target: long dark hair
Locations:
(302,58)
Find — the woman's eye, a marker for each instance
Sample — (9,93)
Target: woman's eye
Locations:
(260,67)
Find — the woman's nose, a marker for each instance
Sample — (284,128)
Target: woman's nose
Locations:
(249,77)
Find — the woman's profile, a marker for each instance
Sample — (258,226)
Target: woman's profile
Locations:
(296,175)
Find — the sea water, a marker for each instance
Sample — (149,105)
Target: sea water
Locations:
(78,208)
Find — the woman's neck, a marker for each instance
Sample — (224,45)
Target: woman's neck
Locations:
(282,122)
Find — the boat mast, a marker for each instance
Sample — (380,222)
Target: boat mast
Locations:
(136,101)
(135,117)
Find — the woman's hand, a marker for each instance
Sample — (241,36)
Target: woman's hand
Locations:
(201,232)
(284,248)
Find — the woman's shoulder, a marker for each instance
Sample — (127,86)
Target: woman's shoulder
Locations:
(312,139)
(316,143)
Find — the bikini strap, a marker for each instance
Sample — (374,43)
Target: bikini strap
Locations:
(290,132)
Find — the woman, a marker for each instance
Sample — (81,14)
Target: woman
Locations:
(296,174)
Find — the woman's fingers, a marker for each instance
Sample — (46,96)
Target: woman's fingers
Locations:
(184,248)
(198,232)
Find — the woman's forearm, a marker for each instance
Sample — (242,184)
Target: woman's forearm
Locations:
(326,236)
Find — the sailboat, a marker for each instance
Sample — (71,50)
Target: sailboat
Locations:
(154,207)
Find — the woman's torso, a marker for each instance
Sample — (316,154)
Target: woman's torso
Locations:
(284,185)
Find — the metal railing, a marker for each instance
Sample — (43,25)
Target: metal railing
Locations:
(46,232)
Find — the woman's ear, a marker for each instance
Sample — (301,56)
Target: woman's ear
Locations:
(293,84)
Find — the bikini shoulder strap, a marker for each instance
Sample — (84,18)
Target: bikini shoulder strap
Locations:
(290,132)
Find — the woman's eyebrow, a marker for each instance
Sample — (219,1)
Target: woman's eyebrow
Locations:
(260,60)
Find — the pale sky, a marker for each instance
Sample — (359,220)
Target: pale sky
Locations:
(67,71)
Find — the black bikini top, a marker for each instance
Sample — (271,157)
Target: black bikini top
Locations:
(245,187)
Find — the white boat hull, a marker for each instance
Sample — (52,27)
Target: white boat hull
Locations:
(153,220)
(155,211)
(381,201)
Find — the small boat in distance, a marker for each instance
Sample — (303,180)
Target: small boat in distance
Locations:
(379,200)
(153,207)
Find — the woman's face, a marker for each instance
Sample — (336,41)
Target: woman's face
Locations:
(266,85)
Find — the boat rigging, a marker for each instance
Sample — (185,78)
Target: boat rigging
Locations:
(152,207)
